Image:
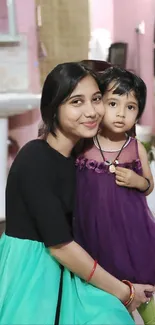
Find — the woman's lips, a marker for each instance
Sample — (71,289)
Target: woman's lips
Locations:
(90,125)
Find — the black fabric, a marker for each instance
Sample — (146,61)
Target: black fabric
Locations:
(57,315)
(40,195)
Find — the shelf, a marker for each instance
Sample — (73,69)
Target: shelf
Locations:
(9,39)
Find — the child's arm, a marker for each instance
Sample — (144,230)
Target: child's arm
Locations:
(128,178)
(146,169)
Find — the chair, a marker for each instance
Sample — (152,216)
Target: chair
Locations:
(118,54)
(97,65)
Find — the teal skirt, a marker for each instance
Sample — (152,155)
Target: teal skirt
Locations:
(29,287)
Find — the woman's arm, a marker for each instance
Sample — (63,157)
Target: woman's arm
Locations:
(78,261)
(146,170)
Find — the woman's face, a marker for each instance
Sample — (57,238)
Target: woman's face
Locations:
(81,114)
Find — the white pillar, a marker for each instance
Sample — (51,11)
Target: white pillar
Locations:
(3,164)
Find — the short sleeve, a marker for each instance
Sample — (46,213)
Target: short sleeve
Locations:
(36,181)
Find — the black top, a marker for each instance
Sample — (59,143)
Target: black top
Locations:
(40,195)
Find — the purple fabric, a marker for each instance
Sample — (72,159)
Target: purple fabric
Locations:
(114,224)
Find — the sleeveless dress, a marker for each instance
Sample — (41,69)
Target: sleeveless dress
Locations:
(39,208)
(112,223)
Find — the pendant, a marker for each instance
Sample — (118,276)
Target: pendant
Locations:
(116,162)
(112,169)
(107,162)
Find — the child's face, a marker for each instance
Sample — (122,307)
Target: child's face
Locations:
(120,111)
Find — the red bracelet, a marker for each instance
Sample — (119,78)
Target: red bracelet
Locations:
(92,272)
(132,293)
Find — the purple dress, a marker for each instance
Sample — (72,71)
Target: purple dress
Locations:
(112,223)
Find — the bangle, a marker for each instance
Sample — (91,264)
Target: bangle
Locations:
(132,293)
(149,184)
(92,272)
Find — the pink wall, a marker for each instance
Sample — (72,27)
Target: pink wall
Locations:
(24,127)
(121,17)
(127,16)
(101,13)
(26,24)
(3,17)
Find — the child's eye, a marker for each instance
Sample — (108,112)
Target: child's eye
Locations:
(112,104)
(97,99)
(131,108)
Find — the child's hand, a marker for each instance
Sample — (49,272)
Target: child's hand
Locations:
(127,177)
(140,297)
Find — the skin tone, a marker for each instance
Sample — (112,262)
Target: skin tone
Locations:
(79,117)
(120,116)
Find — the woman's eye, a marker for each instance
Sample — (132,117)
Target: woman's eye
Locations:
(76,102)
(97,99)
(112,104)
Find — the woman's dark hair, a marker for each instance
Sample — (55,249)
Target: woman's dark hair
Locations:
(126,82)
(58,86)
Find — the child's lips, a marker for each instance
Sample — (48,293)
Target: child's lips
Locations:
(119,124)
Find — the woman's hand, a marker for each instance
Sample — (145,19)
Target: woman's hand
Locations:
(140,297)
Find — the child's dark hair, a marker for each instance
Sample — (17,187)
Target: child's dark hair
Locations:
(126,82)
(58,86)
